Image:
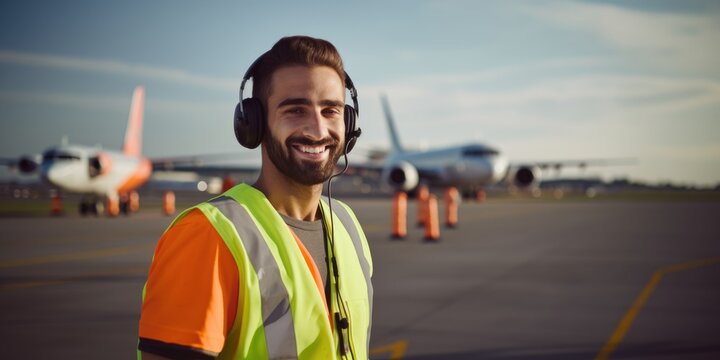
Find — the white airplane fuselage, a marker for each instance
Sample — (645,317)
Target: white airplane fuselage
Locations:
(471,166)
(455,167)
(89,170)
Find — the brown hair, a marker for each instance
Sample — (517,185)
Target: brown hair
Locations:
(294,50)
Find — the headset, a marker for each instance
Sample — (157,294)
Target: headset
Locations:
(249,123)
(249,119)
(340,316)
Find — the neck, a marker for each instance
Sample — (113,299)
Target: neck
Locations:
(288,197)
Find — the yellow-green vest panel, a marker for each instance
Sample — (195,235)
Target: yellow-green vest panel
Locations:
(281,314)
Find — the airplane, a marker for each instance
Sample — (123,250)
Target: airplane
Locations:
(95,172)
(470,167)
(98,174)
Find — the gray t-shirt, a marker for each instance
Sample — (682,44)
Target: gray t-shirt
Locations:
(311,235)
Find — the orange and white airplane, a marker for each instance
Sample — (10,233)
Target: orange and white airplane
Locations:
(98,174)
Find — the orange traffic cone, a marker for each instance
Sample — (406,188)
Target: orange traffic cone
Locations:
(227,182)
(399,215)
(134,201)
(422,197)
(481,196)
(432,228)
(57,206)
(452,200)
(168,203)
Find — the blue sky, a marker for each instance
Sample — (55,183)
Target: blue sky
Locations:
(539,80)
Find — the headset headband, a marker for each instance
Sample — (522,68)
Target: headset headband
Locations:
(251,72)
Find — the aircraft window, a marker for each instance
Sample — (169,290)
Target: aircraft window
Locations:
(57,155)
(479,152)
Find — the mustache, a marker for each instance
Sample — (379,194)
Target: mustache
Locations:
(301,140)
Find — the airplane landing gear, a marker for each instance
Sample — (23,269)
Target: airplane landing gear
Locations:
(129,203)
(90,205)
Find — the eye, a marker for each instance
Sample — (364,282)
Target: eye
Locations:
(295,111)
(333,111)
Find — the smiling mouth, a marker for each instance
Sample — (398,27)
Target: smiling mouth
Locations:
(312,152)
(311,149)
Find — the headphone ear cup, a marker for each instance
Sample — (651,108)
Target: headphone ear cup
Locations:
(350,118)
(249,123)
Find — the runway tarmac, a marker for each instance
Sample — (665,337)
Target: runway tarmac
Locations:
(516,280)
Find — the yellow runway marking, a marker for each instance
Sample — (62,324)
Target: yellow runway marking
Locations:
(74,256)
(396,350)
(640,301)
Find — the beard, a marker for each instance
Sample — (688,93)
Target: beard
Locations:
(302,171)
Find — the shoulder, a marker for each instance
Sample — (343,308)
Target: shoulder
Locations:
(191,292)
(191,240)
(191,218)
(190,227)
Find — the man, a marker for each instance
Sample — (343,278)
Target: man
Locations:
(272,270)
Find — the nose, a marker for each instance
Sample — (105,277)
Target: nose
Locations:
(499,166)
(316,126)
(54,174)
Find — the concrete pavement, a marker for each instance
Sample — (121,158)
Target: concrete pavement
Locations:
(515,280)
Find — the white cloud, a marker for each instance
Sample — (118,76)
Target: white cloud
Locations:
(117,68)
(628,91)
(174,108)
(66,99)
(690,42)
(611,92)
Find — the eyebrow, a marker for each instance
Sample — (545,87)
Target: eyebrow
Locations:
(304,101)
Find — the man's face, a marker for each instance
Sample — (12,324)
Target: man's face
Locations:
(305,123)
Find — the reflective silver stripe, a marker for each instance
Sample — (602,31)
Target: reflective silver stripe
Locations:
(276,312)
(351,227)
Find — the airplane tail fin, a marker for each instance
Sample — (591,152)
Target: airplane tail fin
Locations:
(391,125)
(133,134)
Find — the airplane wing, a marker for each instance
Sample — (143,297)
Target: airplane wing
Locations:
(529,173)
(212,164)
(26,164)
(217,169)
(400,174)
(559,164)
(202,164)
(205,168)
(8,161)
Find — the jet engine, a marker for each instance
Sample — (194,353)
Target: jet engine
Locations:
(402,176)
(27,165)
(526,176)
(99,165)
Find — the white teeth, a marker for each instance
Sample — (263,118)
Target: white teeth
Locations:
(312,150)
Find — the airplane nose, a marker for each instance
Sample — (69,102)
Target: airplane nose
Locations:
(49,175)
(53,174)
(499,166)
(44,172)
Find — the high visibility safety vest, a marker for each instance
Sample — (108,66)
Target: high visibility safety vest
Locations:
(281,313)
